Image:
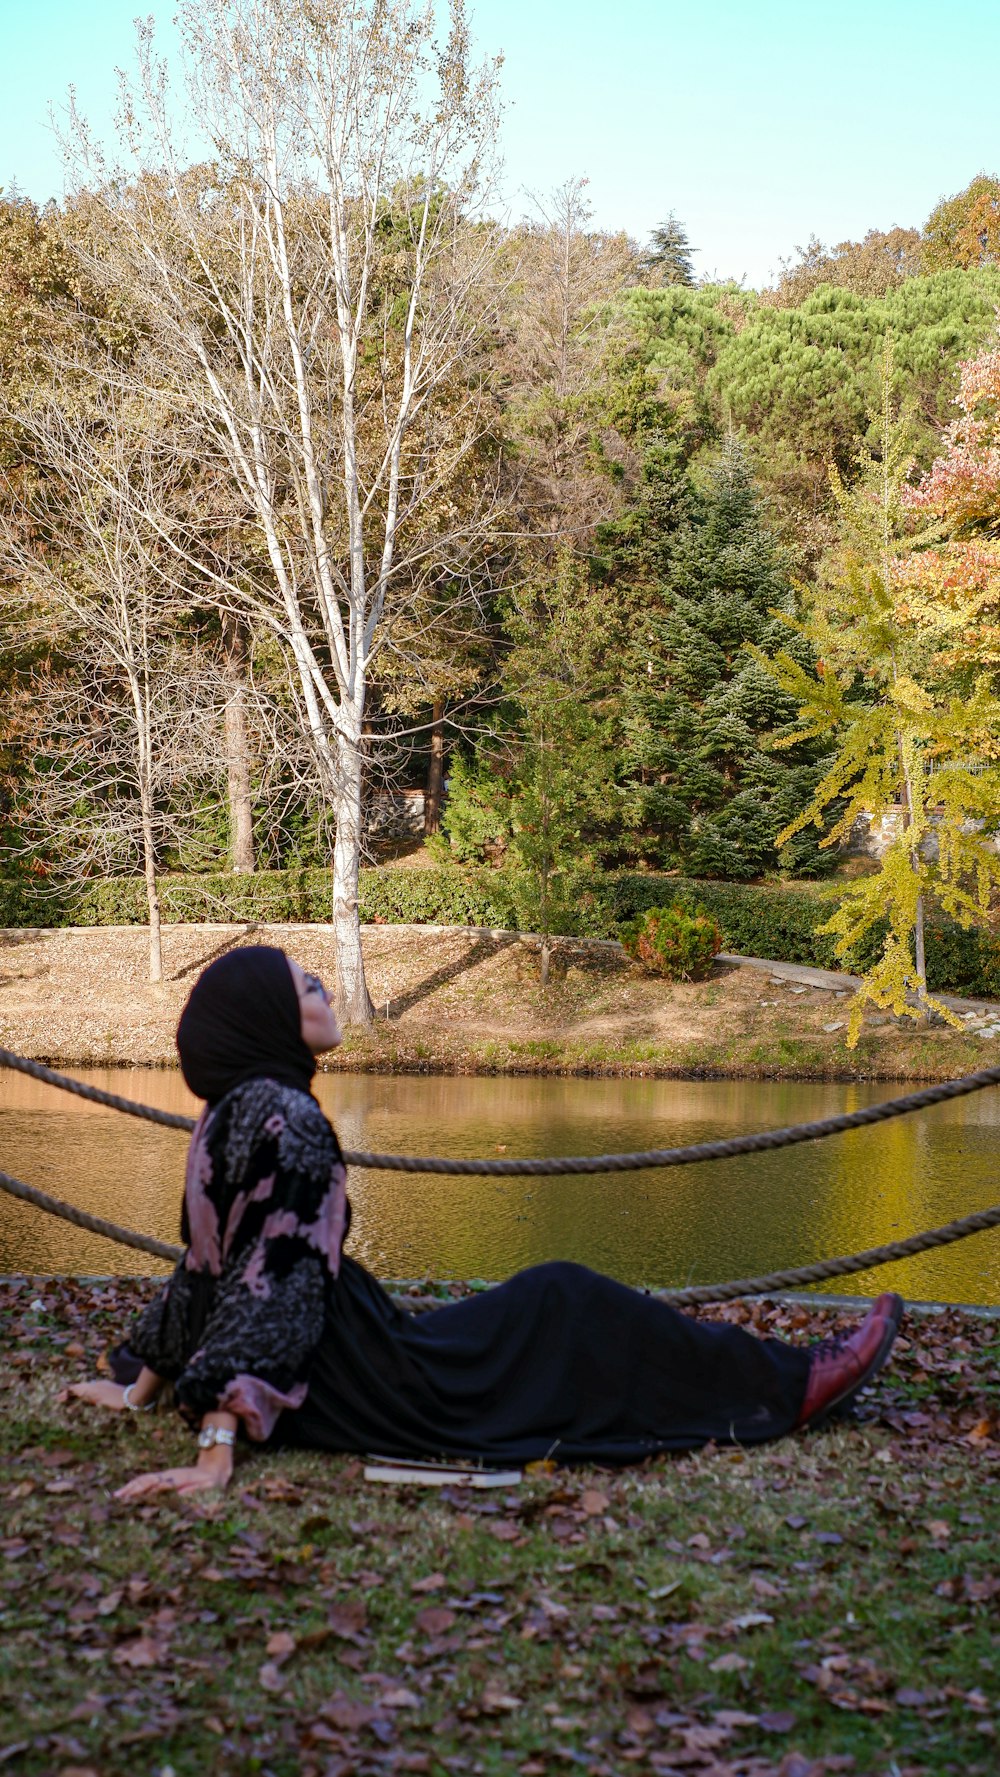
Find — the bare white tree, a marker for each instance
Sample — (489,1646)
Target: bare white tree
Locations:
(121,729)
(320,293)
(568,279)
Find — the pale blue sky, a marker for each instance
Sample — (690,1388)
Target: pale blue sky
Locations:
(758,122)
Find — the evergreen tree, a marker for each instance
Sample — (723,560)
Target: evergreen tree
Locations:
(709,792)
(669,253)
(539,792)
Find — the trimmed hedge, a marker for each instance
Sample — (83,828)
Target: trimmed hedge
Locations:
(769,921)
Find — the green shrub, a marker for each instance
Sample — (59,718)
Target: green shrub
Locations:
(677,942)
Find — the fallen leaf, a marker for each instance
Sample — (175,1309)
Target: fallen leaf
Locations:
(777,1721)
(280,1646)
(60,1458)
(504,1530)
(399,1698)
(592,1503)
(495,1701)
(143,1651)
(795,1764)
(348,1620)
(729,1663)
(704,1739)
(555,1612)
(344,1713)
(638,1721)
(432,1583)
(270,1677)
(436,1619)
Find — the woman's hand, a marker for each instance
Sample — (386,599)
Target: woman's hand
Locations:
(101,1394)
(211,1472)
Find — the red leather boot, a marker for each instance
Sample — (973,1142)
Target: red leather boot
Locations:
(840,1366)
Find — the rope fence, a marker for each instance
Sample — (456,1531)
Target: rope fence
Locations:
(766,1140)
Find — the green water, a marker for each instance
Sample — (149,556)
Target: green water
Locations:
(691,1224)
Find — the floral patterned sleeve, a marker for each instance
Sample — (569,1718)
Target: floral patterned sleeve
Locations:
(266,1214)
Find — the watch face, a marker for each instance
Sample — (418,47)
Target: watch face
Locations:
(206,1438)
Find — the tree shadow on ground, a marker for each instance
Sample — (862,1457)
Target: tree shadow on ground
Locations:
(10,939)
(15,935)
(211,956)
(478,952)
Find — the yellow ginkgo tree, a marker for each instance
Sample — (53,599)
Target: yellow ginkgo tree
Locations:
(913,725)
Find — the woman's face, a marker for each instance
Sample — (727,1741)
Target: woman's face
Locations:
(318,1023)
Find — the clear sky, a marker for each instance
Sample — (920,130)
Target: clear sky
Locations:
(759,122)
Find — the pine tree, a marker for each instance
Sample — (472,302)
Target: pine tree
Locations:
(710,793)
(669,253)
(539,792)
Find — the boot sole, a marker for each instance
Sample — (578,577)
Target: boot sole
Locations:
(843,1406)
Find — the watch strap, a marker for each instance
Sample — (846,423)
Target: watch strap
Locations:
(210,1435)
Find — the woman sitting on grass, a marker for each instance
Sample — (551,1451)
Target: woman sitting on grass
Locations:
(267,1328)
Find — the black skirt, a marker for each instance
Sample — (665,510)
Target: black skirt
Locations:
(558,1362)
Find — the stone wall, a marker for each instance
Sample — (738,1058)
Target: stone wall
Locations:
(395,814)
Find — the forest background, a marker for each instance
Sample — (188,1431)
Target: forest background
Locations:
(647,510)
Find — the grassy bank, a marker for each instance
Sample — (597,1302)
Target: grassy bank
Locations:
(826,1604)
(774,1050)
(460,1001)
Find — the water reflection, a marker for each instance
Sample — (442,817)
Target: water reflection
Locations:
(693,1224)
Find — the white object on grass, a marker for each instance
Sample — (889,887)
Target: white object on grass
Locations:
(434,1474)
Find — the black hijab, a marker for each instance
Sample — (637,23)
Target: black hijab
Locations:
(241,1022)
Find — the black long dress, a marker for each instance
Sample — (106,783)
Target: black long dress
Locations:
(266,1317)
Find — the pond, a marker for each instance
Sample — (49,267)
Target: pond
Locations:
(693,1224)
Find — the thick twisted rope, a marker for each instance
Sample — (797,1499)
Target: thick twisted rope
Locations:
(37,1071)
(81,1218)
(818,1272)
(824,1269)
(573,1163)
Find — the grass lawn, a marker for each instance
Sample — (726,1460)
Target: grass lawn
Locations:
(824,1604)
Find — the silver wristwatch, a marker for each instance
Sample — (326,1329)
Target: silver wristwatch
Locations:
(210,1435)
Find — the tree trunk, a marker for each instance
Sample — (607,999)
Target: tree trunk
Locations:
(152,897)
(435,775)
(352,1003)
(909,817)
(921,960)
(546,861)
(241,851)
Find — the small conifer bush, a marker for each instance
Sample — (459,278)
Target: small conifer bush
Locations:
(678,942)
